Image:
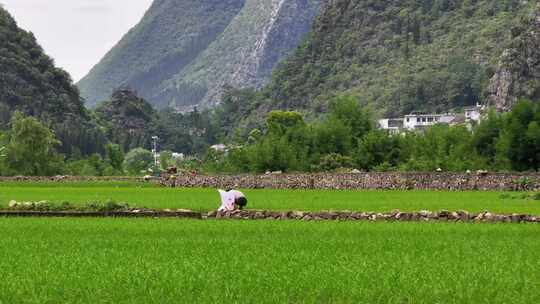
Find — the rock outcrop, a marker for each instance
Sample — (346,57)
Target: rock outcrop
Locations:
(518,74)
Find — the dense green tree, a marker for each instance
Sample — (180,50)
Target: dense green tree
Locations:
(332,136)
(166,159)
(378,148)
(532,136)
(95,165)
(31,149)
(284,147)
(138,160)
(444,147)
(460,153)
(333,161)
(280,122)
(128,120)
(273,154)
(519,149)
(115,157)
(188,133)
(347,109)
(486,135)
(2,155)
(80,167)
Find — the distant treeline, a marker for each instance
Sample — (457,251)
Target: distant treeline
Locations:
(345,139)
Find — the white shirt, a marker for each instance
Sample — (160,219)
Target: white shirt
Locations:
(228,199)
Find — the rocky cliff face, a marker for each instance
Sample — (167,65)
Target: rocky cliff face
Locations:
(518,74)
(184,51)
(246,53)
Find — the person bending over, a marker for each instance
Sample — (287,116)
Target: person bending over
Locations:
(232,199)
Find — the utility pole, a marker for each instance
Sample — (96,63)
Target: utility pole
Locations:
(155,151)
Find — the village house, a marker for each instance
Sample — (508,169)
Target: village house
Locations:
(416,121)
(473,113)
(393,125)
(420,121)
(220,148)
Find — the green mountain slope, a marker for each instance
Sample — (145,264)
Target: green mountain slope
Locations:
(263,33)
(170,36)
(184,52)
(30,83)
(401,55)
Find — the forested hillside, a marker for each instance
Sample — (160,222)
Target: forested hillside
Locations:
(262,34)
(391,56)
(169,37)
(128,120)
(401,56)
(183,52)
(30,83)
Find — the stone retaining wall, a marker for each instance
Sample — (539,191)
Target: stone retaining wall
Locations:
(421,216)
(119,214)
(345,181)
(394,216)
(372,181)
(66,178)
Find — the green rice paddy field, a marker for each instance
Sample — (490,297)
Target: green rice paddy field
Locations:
(147,195)
(183,261)
(66,260)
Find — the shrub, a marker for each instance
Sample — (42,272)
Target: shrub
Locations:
(523,183)
(138,160)
(535,196)
(335,161)
(31,148)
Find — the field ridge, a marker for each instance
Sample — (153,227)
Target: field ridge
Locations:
(461,216)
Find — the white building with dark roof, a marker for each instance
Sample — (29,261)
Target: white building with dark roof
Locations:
(394,125)
(420,121)
(416,121)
